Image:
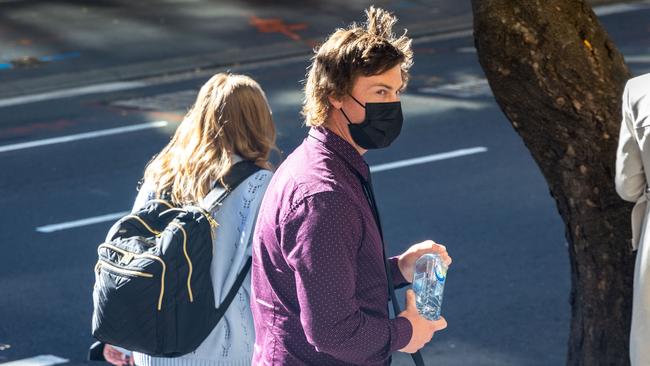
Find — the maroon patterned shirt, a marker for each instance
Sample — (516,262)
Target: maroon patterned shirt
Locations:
(319,287)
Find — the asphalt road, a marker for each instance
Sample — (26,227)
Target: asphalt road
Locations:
(506,299)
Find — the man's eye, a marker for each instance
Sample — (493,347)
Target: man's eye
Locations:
(382,92)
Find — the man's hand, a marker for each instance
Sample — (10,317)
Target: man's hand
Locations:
(407,260)
(423,329)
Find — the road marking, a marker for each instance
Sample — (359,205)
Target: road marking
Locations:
(465,89)
(427,159)
(276,25)
(604,10)
(638,59)
(444,36)
(60,57)
(73,92)
(42,360)
(174,101)
(466,50)
(83,222)
(373,169)
(82,136)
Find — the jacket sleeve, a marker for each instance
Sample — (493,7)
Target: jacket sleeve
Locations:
(321,238)
(630,177)
(254,196)
(145,194)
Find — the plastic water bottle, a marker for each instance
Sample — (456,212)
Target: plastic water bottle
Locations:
(428,284)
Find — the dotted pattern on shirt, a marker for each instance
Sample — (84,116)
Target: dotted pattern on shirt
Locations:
(317,292)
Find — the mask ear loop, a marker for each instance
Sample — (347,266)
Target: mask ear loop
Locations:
(346,116)
(358,102)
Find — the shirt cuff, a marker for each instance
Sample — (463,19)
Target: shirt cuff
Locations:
(401,333)
(398,279)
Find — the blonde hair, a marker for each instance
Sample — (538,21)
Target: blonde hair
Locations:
(231,115)
(349,53)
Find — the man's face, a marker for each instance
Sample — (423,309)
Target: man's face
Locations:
(380,88)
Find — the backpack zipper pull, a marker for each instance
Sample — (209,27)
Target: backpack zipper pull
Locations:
(126,258)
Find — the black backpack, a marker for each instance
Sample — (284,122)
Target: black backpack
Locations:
(153,290)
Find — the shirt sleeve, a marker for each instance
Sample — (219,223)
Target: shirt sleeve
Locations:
(630,176)
(320,240)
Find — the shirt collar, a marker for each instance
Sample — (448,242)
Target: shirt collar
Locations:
(341,148)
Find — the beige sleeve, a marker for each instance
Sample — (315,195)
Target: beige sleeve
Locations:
(630,177)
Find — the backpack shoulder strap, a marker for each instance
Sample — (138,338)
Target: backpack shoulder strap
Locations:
(235,176)
(234,289)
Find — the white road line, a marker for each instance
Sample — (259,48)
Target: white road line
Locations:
(638,59)
(604,10)
(464,89)
(373,169)
(427,159)
(72,92)
(42,360)
(82,136)
(445,36)
(79,223)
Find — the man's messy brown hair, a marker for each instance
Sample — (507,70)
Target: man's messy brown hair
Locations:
(359,50)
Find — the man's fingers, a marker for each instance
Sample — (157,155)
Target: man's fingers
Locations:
(433,247)
(439,324)
(410,299)
(440,249)
(446,259)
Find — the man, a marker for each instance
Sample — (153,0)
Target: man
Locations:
(319,280)
(632,167)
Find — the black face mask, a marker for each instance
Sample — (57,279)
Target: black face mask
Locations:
(382,125)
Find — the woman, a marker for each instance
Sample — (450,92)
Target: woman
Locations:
(229,122)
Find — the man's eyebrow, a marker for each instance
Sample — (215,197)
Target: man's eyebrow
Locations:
(387,86)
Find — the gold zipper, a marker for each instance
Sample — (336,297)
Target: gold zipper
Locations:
(144,255)
(142,222)
(187,257)
(157,200)
(211,220)
(157,233)
(213,224)
(102,263)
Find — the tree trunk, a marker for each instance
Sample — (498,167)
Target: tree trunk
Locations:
(559,79)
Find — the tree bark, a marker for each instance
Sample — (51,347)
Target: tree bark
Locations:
(559,79)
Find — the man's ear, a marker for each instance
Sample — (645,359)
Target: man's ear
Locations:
(336,103)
